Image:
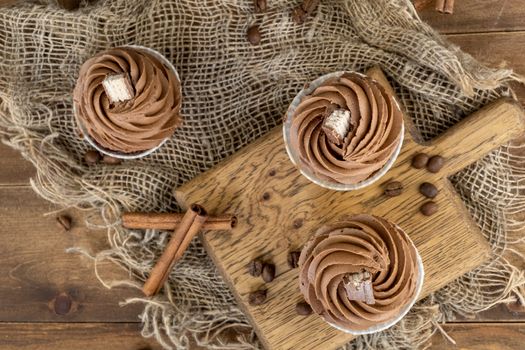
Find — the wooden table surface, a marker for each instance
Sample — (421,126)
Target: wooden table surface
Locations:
(51,299)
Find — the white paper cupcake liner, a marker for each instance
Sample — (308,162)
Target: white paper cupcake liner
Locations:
(304,169)
(133,155)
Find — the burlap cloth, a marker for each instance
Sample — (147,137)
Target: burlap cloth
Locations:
(234,93)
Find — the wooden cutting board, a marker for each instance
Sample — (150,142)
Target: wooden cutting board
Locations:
(278,209)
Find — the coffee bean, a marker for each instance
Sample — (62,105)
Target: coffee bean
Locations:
(255,267)
(268,272)
(420,160)
(293,259)
(257,298)
(428,190)
(91,157)
(260,6)
(111,160)
(64,221)
(303,308)
(253,35)
(429,208)
(393,188)
(435,164)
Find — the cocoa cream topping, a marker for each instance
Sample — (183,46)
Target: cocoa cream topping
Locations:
(363,243)
(374,133)
(135,125)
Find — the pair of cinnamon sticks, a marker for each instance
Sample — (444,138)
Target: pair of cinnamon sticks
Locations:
(445,6)
(186,227)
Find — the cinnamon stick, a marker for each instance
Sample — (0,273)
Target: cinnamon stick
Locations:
(189,226)
(422,4)
(445,6)
(169,221)
(449,7)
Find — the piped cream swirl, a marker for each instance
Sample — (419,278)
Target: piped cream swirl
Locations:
(363,243)
(376,124)
(135,125)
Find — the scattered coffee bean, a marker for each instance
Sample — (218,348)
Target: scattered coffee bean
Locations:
(428,190)
(258,297)
(254,35)
(393,188)
(429,208)
(293,259)
(110,160)
(268,272)
(303,308)
(255,267)
(435,164)
(91,157)
(64,221)
(260,6)
(420,160)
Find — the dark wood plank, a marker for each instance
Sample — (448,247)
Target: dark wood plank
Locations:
(496,50)
(14,169)
(477,16)
(62,336)
(8,2)
(482,336)
(35,269)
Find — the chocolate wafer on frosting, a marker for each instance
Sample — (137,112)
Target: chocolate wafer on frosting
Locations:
(359,273)
(346,129)
(144,108)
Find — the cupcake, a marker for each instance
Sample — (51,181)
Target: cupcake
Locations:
(344,130)
(127,100)
(360,275)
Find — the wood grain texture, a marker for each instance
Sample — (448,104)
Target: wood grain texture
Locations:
(39,281)
(63,336)
(477,16)
(491,48)
(481,336)
(9,2)
(14,169)
(496,50)
(278,209)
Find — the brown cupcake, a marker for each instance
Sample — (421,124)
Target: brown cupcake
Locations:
(138,124)
(346,129)
(365,244)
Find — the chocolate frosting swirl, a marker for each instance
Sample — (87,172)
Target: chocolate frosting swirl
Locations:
(364,242)
(135,125)
(374,134)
